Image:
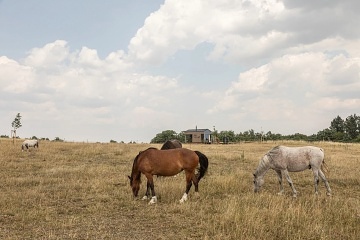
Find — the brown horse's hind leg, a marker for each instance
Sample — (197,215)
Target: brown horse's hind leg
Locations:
(189,178)
(196,183)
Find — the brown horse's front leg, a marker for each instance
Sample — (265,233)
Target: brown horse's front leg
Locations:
(147,194)
(150,184)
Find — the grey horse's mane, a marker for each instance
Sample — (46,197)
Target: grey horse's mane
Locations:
(265,160)
(274,151)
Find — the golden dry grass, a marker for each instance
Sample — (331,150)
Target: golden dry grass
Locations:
(81,191)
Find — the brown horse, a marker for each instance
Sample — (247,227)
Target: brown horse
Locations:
(167,163)
(171,144)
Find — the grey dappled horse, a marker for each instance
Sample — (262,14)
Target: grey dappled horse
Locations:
(291,159)
(29,143)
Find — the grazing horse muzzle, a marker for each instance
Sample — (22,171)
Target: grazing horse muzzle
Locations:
(258,182)
(135,186)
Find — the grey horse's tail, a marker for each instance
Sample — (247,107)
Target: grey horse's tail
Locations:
(324,166)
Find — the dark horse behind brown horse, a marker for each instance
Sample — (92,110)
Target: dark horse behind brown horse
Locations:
(170,162)
(171,144)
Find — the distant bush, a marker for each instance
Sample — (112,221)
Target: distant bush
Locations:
(57,139)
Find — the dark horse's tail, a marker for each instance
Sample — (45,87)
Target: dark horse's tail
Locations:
(204,163)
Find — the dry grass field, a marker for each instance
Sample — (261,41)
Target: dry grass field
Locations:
(81,191)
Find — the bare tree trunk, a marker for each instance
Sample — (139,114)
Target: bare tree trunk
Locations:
(13,133)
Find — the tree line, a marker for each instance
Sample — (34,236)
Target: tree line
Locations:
(340,130)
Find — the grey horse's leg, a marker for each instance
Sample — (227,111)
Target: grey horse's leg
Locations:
(316,179)
(322,175)
(279,175)
(286,173)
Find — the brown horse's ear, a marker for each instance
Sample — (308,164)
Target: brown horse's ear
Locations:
(129,177)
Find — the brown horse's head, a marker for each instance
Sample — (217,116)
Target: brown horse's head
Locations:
(135,185)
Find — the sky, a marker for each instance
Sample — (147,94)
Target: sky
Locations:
(127,70)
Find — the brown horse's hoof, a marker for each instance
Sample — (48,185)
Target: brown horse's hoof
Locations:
(184,198)
(153,200)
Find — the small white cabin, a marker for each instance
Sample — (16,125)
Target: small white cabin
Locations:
(198,135)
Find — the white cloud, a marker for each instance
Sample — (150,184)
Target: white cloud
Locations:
(49,55)
(242,32)
(15,77)
(334,103)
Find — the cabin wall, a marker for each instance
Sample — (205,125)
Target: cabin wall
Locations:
(199,136)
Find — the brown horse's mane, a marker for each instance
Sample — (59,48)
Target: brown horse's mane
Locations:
(137,156)
(136,160)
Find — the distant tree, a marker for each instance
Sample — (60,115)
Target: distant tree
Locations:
(313,138)
(297,137)
(57,139)
(351,127)
(271,136)
(166,135)
(249,135)
(325,135)
(337,125)
(215,136)
(180,136)
(338,136)
(113,141)
(16,124)
(227,136)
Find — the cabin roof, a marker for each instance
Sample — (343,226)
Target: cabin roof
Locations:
(198,130)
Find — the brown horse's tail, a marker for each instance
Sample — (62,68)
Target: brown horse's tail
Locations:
(204,163)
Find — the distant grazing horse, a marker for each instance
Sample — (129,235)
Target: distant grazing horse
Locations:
(167,163)
(29,143)
(292,159)
(171,144)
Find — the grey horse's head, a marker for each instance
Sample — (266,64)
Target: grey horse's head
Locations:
(258,182)
(260,173)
